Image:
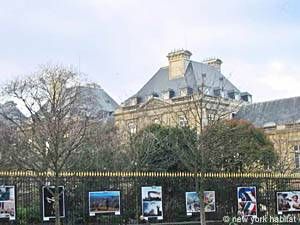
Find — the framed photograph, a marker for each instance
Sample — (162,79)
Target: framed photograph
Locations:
(152,202)
(247,203)
(104,202)
(193,202)
(7,202)
(288,201)
(48,202)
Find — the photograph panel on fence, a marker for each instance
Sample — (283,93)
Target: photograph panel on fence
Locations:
(152,202)
(7,202)
(288,201)
(247,203)
(104,202)
(48,202)
(193,202)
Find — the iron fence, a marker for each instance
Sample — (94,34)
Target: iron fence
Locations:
(77,186)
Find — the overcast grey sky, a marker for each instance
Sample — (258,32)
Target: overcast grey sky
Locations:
(121,44)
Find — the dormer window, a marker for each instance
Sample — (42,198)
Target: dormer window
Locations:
(152,95)
(186,91)
(233,95)
(245,96)
(168,94)
(204,89)
(218,92)
(133,101)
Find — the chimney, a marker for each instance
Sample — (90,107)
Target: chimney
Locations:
(178,61)
(214,62)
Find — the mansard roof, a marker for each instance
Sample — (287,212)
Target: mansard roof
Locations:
(95,99)
(276,112)
(196,75)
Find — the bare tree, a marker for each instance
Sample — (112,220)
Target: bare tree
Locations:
(101,150)
(54,130)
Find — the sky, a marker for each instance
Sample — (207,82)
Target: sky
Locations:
(121,44)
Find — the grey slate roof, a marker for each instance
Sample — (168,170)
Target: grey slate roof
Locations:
(10,109)
(279,112)
(193,78)
(94,100)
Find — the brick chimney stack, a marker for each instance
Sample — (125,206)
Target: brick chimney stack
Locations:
(214,62)
(178,61)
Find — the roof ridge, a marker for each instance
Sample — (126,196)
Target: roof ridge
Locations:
(274,100)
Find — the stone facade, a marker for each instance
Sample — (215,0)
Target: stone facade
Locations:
(286,139)
(175,112)
(280,119)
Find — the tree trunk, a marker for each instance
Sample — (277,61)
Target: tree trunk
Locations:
(137,215)
(56,200)
(200,190)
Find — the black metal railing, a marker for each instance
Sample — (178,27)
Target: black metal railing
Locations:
(77,185)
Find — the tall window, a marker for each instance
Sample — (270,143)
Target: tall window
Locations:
(182,121)
(132,128)
(210,117)
(297,156)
